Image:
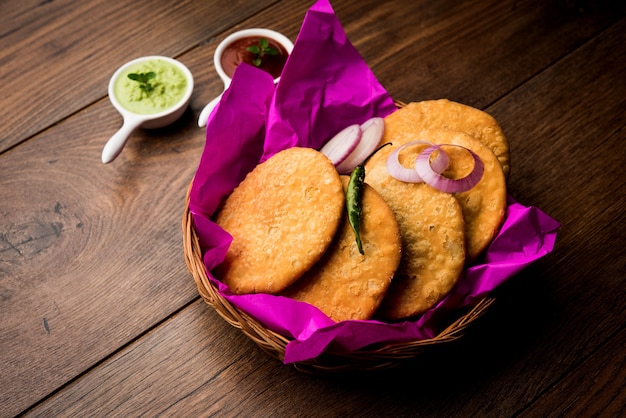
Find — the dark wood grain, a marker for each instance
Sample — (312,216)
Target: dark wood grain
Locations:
(595,388)
(83,251)
(478,52)
(98,315)
(56,57)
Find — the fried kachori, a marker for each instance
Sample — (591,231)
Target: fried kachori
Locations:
(447,114)
(282,217)
(345,284)
(433,239)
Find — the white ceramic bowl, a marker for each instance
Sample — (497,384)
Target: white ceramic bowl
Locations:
(233,37)
(132,120)
(217,60)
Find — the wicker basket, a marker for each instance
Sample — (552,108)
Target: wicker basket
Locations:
(369,358)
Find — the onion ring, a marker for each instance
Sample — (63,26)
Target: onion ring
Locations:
(424,168)
(400,172)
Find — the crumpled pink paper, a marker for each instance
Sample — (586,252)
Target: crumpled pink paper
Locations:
(324,87)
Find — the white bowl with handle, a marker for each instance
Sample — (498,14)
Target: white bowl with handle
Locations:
(133,119)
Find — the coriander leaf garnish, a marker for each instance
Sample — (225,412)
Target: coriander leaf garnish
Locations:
(260,50)
(144,80)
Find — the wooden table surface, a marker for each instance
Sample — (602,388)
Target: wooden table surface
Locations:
(99,315)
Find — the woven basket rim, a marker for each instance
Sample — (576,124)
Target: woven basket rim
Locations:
(330,361)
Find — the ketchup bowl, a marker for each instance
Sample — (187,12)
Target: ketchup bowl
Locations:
(273,49)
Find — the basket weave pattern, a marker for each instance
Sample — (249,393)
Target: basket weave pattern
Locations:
(331,361)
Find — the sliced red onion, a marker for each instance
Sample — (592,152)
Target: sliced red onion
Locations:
(400,172)
(432,178)
(339,147)
(372,131)
(440,162)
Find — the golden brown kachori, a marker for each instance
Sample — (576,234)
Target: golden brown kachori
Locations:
(433,239)
(447,114)
(345,284)
(282,217)
(484,204)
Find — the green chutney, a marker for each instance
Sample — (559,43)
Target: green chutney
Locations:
(167,89)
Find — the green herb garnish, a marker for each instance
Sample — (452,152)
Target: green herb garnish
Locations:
(144,80)
(262,49)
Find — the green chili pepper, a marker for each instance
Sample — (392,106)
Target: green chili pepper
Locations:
(353,201)
(353,198)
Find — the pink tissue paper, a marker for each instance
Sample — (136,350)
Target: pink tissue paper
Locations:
(326,86)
